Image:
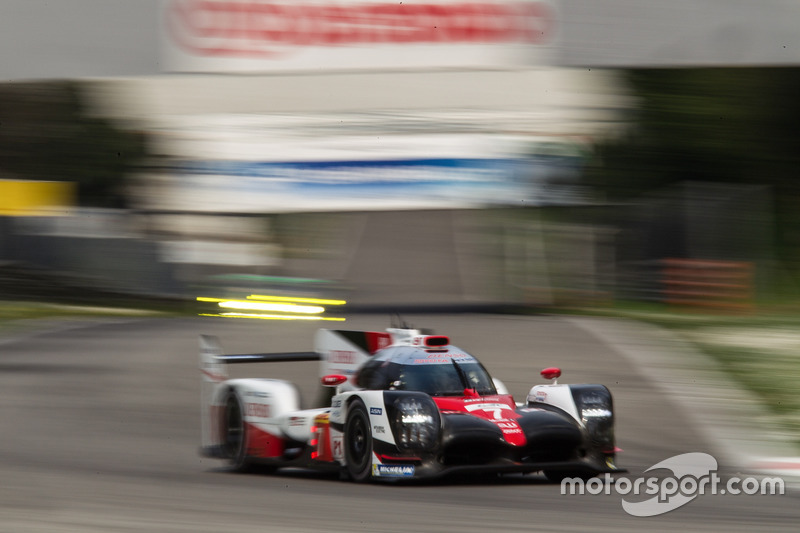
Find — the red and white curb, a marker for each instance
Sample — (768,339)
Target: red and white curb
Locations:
(785,467)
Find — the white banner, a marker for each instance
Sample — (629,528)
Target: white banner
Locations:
(356,162)
(282,35)
(267,187)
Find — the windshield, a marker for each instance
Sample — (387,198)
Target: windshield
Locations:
(445,380)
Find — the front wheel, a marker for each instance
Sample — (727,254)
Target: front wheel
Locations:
(358,443)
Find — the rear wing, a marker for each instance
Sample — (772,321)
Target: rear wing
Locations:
(288,357)
(213,361)
(339,351)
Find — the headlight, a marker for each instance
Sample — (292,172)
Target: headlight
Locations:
(595,406)
(415,421)
(594,413)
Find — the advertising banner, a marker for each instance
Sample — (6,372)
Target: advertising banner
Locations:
(244,186)
(282,35)
(354,162)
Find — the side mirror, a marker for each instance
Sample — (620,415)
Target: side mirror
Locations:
(551,373)
(333,380)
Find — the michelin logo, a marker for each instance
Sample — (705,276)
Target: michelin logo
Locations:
(392,470)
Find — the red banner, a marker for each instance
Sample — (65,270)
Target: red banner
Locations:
(263,29)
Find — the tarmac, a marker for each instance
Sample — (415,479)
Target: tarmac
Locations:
(727,415)
(442,273)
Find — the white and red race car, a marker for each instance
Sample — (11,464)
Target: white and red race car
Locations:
(403,404)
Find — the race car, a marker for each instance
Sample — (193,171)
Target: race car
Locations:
(403,404)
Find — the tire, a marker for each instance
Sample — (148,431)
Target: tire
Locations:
(358,443)
(235,437)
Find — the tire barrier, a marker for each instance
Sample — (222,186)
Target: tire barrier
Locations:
(711,285)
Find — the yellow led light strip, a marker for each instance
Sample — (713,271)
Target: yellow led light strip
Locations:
(273,317)
(318,301)
(276,307)
(263,306)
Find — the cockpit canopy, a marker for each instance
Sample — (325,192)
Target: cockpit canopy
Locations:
(438,372)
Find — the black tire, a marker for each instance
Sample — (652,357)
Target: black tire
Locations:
(358,443)
(235,437)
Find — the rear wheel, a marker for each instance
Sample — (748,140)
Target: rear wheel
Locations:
(358,443)
(234,443)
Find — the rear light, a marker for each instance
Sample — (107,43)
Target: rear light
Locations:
(320,439)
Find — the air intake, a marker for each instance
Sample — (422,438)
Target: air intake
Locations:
(433,341)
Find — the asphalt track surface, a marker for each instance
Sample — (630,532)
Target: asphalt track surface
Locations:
(99,431)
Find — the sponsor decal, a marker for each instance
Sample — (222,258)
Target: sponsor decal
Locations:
(453,355)
(342,357)
(378,429)
(445,358)
(496,409)
(295,421)
(540,396)
(393,470)
(509,428)
(257,410)
(375,411)
(337,446)
(336,402)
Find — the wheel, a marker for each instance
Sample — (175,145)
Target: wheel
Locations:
(235,436)
(358,443)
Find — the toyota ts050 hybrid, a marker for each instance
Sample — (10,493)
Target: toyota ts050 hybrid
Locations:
(403,404)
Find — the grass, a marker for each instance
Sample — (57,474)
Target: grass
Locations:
(17,316)
(759,350)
